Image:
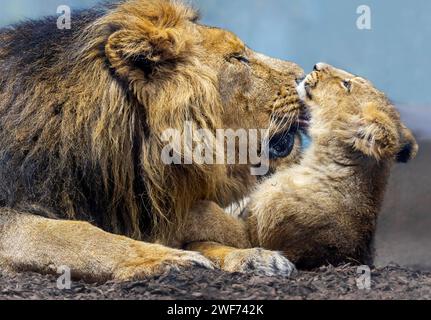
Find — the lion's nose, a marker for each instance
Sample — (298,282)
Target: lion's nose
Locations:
(320,66)
(294,70)
(300,79)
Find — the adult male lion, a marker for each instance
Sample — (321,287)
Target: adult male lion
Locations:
(82,113)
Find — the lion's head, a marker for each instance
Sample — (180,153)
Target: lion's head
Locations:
(99,101)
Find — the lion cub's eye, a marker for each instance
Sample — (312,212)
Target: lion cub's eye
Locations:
(347,84)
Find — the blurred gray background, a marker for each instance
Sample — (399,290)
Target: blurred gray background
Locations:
(394,54)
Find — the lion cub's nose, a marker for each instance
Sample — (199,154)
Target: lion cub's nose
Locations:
(320,66)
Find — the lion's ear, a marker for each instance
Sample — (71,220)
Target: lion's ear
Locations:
(143,51)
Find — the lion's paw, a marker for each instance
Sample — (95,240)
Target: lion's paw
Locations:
(259,261)
(148,263)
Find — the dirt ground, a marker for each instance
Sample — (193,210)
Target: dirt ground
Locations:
(325,283)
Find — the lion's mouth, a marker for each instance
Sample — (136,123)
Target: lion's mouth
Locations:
(281,145)
(304,118)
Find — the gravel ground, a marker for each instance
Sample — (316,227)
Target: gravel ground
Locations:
(325,283)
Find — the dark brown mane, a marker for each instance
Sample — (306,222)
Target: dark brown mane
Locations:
(80,128)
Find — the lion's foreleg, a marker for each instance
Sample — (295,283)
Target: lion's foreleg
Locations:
(38,244)
(224,240)
(253,260)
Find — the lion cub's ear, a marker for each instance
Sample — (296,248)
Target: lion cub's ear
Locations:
(140,52)
(377,135)
(409,147)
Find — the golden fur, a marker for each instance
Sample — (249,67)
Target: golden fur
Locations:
(82,113)
(324,209)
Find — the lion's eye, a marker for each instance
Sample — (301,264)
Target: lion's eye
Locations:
(347,84)
(241,58)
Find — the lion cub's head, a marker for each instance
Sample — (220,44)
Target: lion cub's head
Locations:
(347,105)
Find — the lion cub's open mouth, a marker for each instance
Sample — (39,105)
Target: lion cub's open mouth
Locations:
(304,89)
(304,92)
(304,118)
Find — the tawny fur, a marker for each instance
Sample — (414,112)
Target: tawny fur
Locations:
(82,113)
(324,209)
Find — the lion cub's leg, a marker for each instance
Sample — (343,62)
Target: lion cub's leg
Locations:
(209,222)
(38,244)
(224,240)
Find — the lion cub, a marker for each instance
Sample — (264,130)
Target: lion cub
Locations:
(325,209)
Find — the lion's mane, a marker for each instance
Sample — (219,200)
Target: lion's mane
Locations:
(82,112)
